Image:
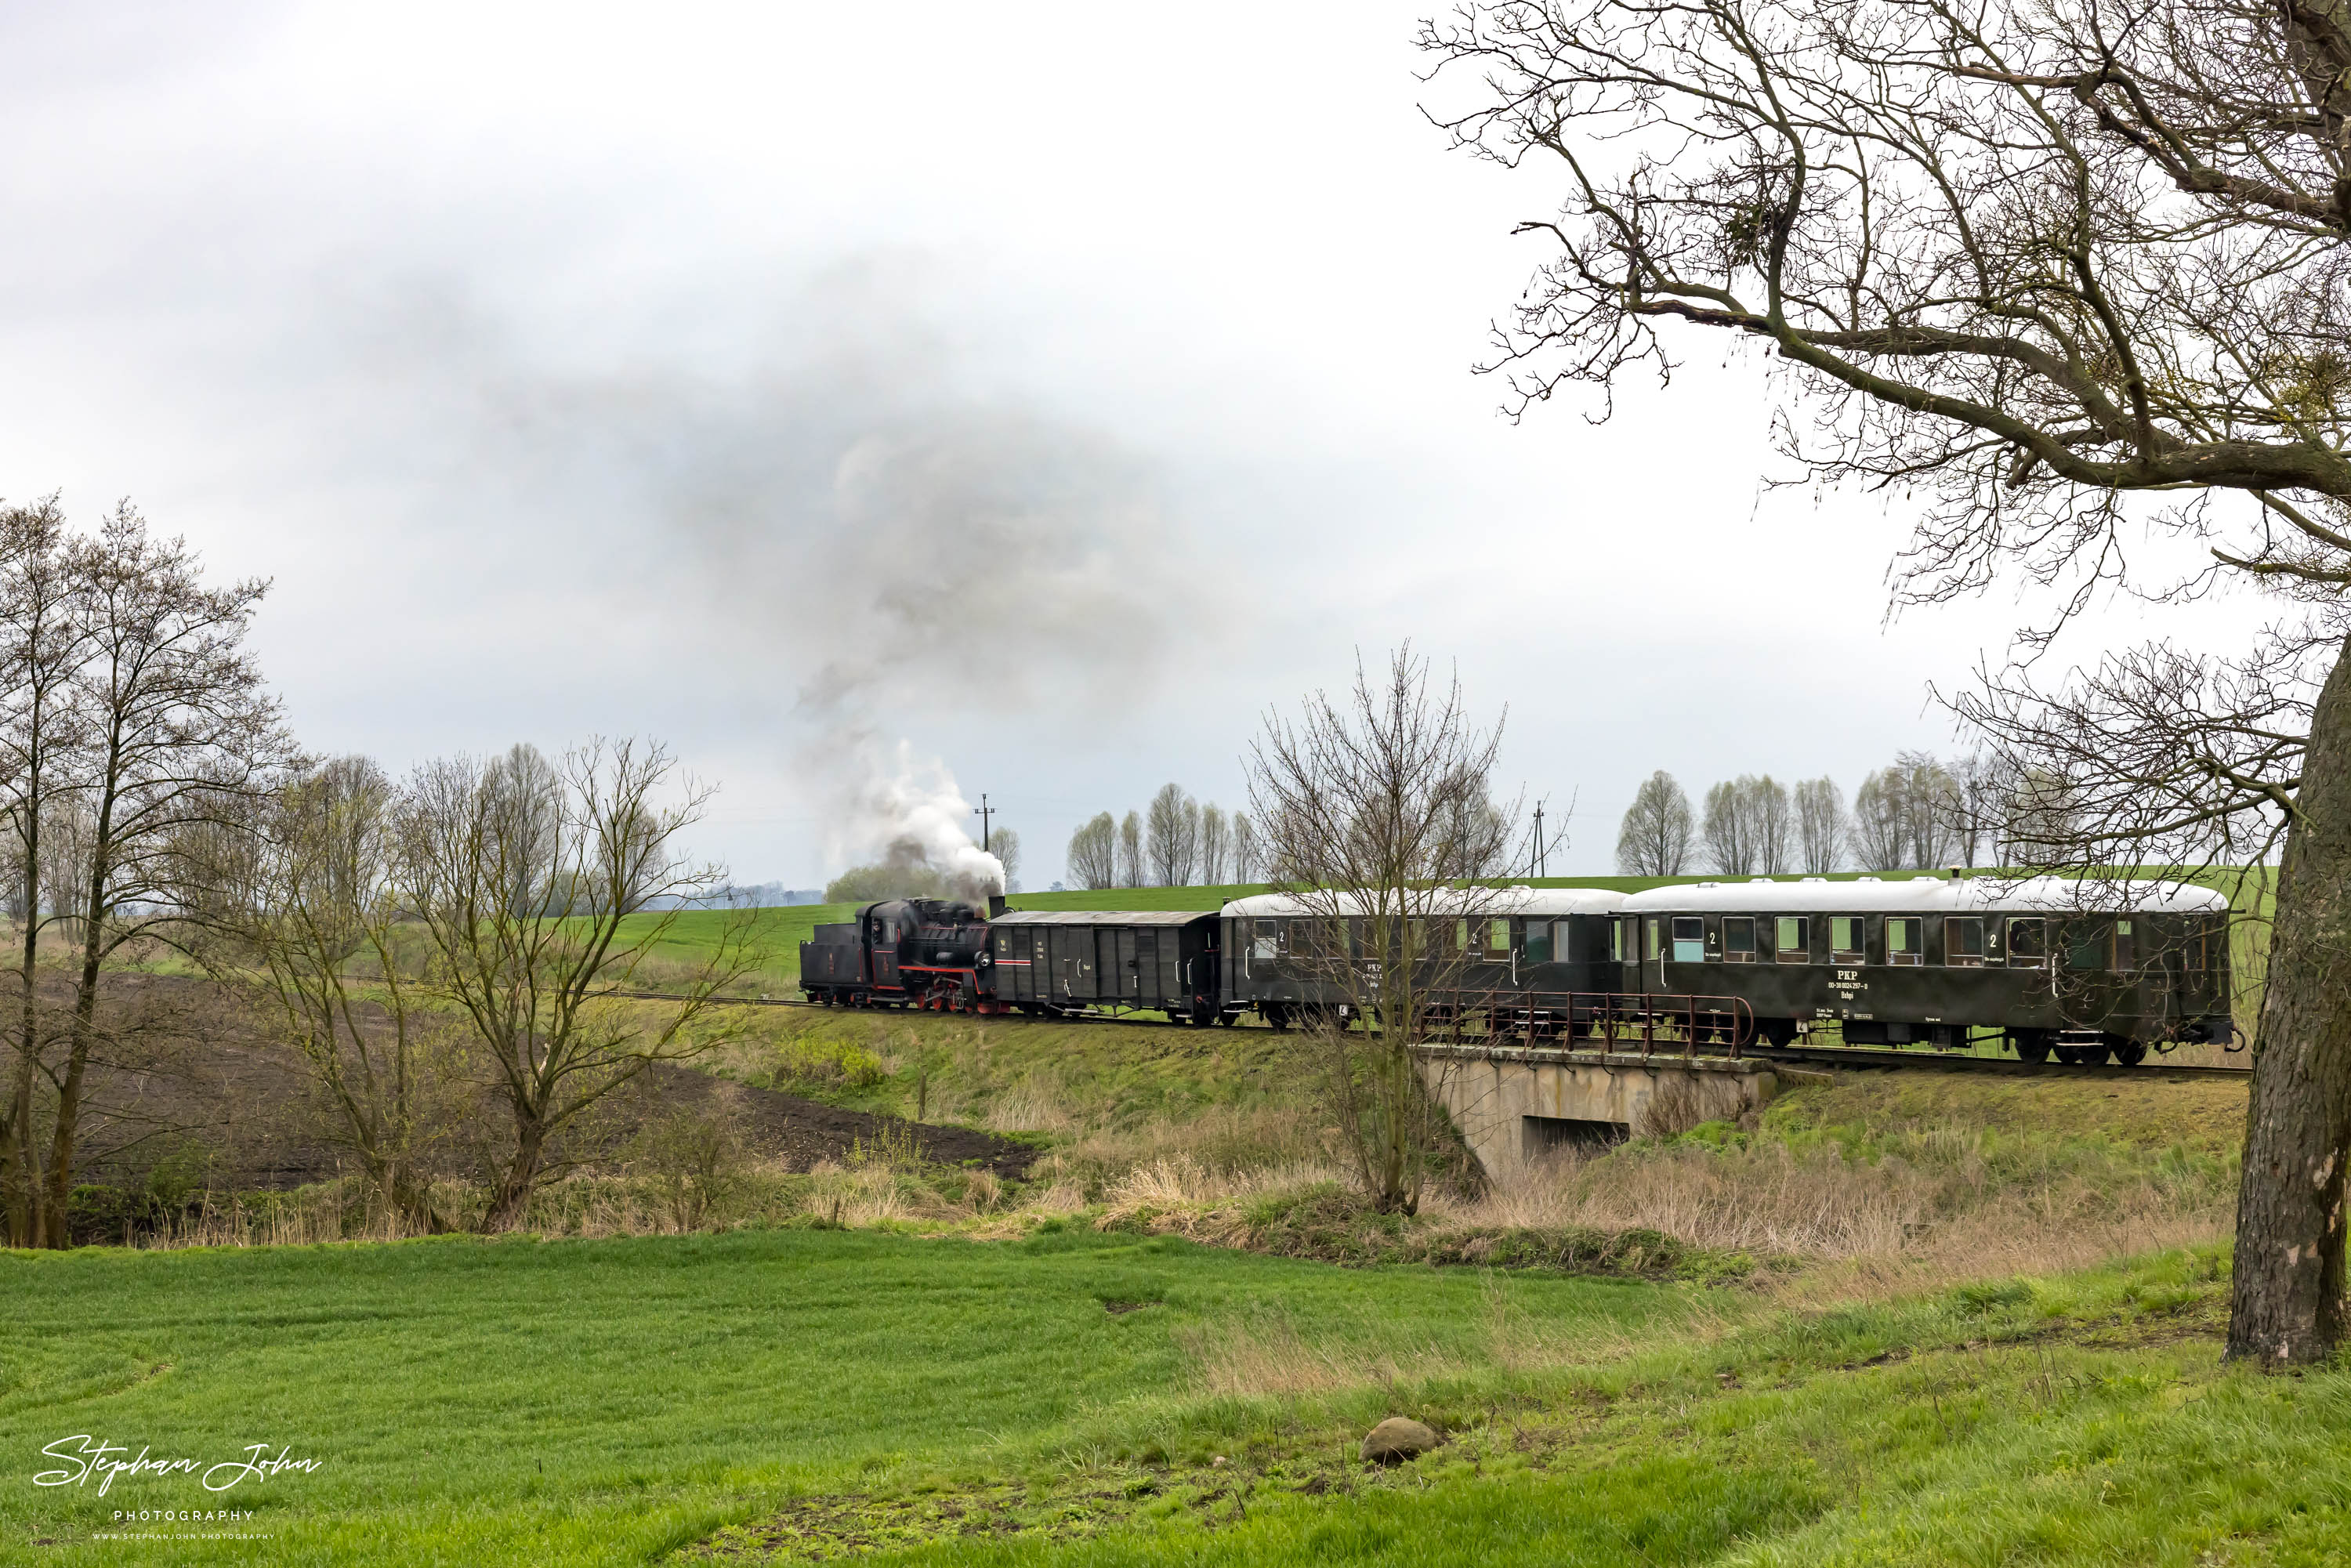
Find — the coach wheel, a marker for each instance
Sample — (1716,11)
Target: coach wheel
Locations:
(2131,1053)
(2031,1045)
(1277,1018)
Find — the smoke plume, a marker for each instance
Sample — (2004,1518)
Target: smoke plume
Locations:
(897,547)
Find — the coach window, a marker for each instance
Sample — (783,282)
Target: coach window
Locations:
(1905,939)
(2088,944)
(1538,941)
(1265,941)
(1689,939)
(1848,938)
(1795,939)
(1963,942)
(1739,939)
(2027,941)
(1498,941)
(2126,955)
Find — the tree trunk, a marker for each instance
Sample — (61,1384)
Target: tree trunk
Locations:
(55,1220)
(2286,1307)
(23,1172)
(511,1197)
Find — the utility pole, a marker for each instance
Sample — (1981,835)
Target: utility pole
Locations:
(983,811)
(1539,856)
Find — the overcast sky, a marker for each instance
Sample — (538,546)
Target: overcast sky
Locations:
(1039,393)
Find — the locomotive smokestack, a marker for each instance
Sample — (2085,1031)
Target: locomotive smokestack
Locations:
(995,904)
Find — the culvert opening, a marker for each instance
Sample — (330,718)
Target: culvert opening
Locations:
(1541,1136)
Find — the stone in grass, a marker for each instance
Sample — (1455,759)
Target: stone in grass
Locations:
(1396,1439)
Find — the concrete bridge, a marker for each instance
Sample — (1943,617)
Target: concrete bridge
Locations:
(1517,1106)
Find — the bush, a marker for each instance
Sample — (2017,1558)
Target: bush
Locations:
(695,1160)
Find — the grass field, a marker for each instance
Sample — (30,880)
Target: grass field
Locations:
(475,1402)
(615,1402)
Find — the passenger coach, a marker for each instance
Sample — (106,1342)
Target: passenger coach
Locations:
(1526,940)
(2087,969)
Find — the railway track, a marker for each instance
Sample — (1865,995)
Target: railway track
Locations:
(1875,1058)
(1851,1057)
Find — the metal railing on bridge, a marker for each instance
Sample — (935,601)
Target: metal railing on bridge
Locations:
(1613,1020)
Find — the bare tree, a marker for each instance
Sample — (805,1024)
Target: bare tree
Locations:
(542,980)
(1172,836)
(1724,831)
(1982,787)
(42,730)
(300,909)
(1774,828)
(1906,817)
(1933,805)
(2029,264)
(1819,824)
(178,733)
(1215,846)
(1130,850)
(1880,828)
(1249,851)
(1654,838)
(1005,844)
(1365,801)
(525,786)
(1093,853)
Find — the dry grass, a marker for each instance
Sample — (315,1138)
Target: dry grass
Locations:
(1029,1106)
(1932,1209)
(1225,1140)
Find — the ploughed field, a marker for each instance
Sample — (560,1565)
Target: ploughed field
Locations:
(1080,1397)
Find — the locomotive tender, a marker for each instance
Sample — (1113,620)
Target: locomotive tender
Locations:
(2087,970)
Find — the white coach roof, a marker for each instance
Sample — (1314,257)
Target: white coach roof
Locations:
(1538,902)
(1925,895)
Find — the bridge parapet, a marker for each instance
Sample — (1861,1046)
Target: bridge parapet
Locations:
(1519,1105)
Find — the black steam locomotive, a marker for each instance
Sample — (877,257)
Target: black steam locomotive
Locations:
(2087,971)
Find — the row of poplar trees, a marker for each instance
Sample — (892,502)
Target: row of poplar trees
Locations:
(1916,813)
(1176,842)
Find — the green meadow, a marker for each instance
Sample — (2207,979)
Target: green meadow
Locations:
(1075,1397)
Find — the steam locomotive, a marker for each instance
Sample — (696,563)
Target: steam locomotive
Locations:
(2086,971)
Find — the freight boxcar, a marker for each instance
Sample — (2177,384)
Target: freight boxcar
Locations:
(1067,961)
